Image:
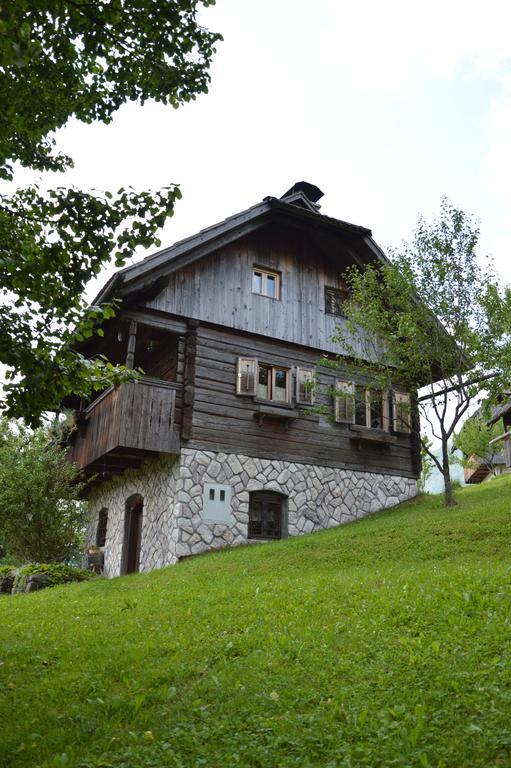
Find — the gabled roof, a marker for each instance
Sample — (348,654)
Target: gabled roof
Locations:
(296,209)
(499,411)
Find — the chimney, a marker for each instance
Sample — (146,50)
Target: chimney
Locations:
(303,195)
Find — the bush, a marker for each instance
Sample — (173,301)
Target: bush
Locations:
(41,519)
(54,573)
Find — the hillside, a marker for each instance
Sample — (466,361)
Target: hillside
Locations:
(386,642)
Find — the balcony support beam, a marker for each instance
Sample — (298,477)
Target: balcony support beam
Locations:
(132,341)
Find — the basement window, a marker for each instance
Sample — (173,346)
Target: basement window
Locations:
(266,283)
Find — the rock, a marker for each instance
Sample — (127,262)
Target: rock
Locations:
(37,581)
(6,583)
(214,469)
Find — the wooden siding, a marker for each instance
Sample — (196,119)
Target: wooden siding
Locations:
(139,415)
(218,288)
(224,421)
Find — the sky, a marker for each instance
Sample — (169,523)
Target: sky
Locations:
(385,106)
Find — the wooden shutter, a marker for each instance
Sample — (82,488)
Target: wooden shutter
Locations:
(402,413)
(246,376)
(344,401)
(304,390)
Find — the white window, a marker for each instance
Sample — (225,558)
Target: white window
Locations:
(402,413)
(304,386)
(274,383)
(266,283)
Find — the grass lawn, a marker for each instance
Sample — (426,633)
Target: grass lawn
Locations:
(386,642)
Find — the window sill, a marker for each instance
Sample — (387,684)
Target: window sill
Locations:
(264,296)
(269,410)
(370,434)
(273,404)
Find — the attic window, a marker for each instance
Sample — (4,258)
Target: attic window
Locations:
(266,283)
(335,298)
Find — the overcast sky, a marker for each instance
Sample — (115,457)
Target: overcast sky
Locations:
(385,106)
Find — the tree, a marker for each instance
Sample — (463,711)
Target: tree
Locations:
(81,59)
(41,519)
(439,317)
(474,440)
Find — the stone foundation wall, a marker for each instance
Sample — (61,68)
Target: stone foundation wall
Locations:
(156,481)
(173,521)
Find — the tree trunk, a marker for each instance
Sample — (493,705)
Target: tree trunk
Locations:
(449,499)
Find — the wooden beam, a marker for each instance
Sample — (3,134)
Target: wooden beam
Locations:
(132,340)
(457,387)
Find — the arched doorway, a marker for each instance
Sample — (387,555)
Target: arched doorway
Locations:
(267,515)
(132,534)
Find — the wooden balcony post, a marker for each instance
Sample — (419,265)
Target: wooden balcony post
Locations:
(132,340)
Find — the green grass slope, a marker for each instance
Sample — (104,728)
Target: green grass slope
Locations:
(386,642)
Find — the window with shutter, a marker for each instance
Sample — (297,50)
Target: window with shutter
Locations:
(344,401)
(402,413)
(304,386)
(246,376)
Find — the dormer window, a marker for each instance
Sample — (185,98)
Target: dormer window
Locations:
(266,283)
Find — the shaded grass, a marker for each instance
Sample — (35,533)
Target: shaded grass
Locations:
(386,642)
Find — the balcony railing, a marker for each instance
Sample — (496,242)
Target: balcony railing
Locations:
(133,421)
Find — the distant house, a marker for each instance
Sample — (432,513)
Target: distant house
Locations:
(500,461)
(216,444)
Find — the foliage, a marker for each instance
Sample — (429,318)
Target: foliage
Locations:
(81,60)
(57,573)
(439,316)
(427,464)
(474,440)
(40,517)
(379,643)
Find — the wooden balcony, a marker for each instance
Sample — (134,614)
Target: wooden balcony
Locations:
(124,426)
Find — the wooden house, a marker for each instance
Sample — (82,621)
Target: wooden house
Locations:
(499,463)
(216,444)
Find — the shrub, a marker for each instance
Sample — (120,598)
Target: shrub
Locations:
(55,573)
(41,519)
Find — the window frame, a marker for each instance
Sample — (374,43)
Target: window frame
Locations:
(265,273)
(272,369)
(264,499)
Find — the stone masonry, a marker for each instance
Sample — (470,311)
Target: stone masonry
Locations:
(173,524)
